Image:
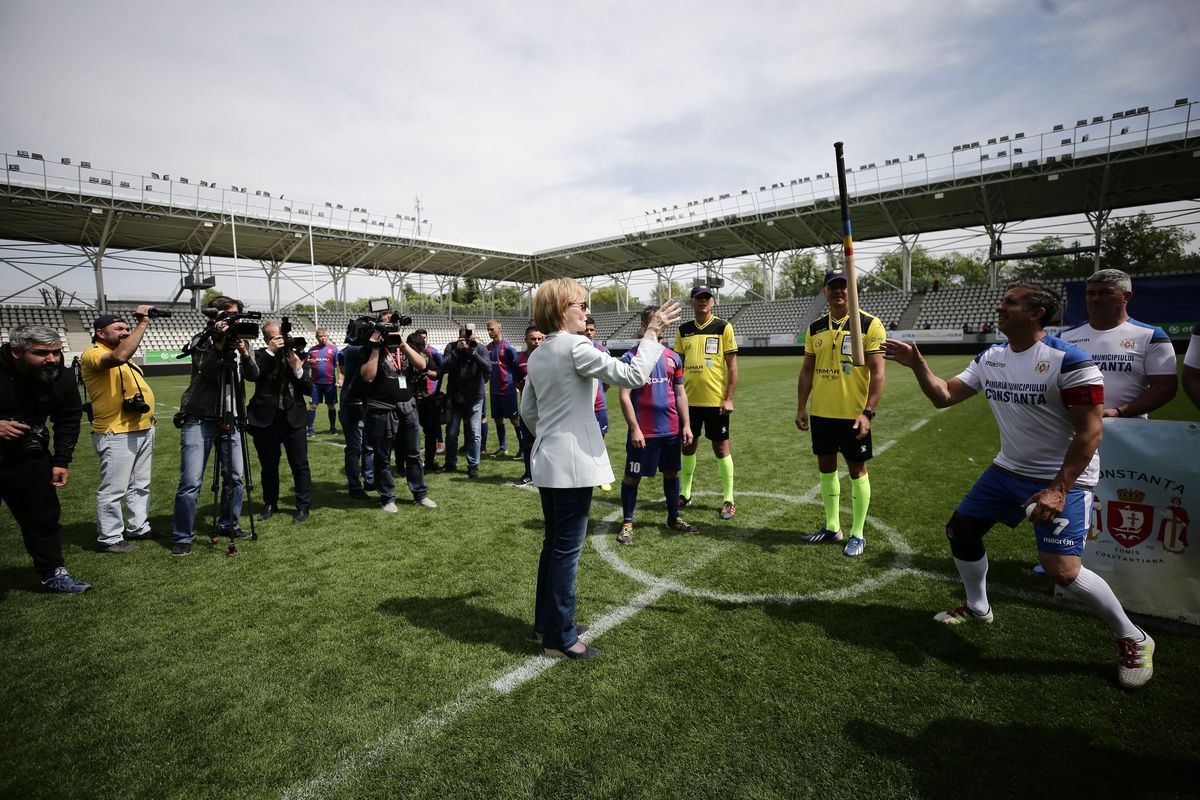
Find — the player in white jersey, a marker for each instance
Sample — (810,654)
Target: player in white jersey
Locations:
(1047,397)
(1191,367)
(1137,360)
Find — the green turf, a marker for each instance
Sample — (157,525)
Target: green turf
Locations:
(350,656)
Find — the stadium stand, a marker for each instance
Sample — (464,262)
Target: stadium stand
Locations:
(12,316)
(955,306)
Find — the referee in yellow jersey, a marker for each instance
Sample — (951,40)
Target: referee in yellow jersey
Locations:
(844,399)
(710,376)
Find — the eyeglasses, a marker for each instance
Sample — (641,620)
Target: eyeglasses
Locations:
(583,306)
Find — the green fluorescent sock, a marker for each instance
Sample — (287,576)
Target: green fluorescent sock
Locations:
(860,501)
(831,495)
(725,469)
(686,474)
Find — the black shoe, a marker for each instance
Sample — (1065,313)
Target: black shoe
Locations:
(368,487)
(587,652)
(450,468)
(333,431)
(181,549)
(266,513)
(118,547)
(359,494)
(472,472)
(433,469)
(232,533)
(300,515)
(138,537)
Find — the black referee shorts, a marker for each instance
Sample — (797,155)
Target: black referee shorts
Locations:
(832,436)
(709,418)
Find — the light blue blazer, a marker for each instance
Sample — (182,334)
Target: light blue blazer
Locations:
(558,406)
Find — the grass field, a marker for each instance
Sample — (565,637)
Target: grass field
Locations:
(376,656)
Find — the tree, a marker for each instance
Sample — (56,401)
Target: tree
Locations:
(209,296)
(799,276)
(889,269)
(605,298)
(750,276)
(1136,245)
(677,290)
(1049,267)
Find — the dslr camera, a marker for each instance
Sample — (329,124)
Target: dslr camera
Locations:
(34,443)
(136,404)
(157,313)
(297,344)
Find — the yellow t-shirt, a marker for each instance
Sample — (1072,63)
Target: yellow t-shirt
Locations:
(104,386)
(839,388)
(704,350)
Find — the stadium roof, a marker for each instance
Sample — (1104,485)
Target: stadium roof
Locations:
(1054,174)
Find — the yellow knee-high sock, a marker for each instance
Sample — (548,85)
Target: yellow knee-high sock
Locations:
(860,501)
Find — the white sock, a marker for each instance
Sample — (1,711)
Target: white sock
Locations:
(1095,592)
(974,578)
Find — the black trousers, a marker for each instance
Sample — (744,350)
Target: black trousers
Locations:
(267,443)
(430,414)
(25,488)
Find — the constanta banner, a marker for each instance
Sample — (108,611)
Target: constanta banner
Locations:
(1142,513)
(160,356)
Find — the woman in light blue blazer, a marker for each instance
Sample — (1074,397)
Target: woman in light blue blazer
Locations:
(569,458)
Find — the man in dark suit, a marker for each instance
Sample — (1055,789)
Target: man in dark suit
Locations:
(276,417)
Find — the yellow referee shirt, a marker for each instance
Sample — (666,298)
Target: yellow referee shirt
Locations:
(839,388)
(704,349)
(107,394)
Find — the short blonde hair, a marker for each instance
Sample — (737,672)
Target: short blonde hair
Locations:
(550,303)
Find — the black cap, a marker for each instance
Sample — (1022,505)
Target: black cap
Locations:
(699,290)
(835,275)
(104,320)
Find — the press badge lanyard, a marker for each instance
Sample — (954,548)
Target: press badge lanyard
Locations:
(841,328)
(397,362)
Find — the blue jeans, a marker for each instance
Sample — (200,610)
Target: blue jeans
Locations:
(471,422)
(360,465)
(566,515)
(196,439)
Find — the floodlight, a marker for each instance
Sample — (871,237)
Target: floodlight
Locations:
(36,156)
(1065,141)
(1144,110)
(1056,128)
(22,154)
(1097,119)
(1080,122)
(66,161)
(1183,101)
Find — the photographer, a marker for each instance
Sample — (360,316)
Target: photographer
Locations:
(430,402)
(467,366)
(391,421)
(276,417)
(34,386)
(215,356)
(122,412)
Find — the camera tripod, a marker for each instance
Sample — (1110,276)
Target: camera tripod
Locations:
(232,422)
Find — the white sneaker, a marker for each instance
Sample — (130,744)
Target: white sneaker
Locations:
(1137,661)
(391,507)
(957,616)
(425,501)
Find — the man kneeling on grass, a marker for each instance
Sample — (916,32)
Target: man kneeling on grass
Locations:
(659,427)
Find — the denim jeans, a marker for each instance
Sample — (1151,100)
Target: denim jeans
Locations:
(196,440)
(402,432)
(124,475)
(566,518)
(360,466)
(471,421)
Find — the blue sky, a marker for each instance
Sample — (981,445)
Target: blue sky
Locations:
(531,125)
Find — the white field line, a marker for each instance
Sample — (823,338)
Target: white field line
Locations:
(433,721)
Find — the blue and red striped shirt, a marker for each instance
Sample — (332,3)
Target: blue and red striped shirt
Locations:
(601,401)
(323,360)
(522,369)
(654,404)
(504,366)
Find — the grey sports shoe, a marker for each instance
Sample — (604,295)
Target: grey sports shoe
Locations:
(425,501)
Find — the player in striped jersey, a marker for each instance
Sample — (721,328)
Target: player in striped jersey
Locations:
(601,405)
(533,338)
(322,359)
(659,427)
(1191,368)
(1048,397)
(502,385)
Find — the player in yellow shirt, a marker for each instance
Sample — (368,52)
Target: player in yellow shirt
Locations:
(122,414)
(844,399)
(710,375)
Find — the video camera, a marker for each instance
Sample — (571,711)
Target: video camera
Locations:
(157,313)
(242,324)
(360,329)
(297,344)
